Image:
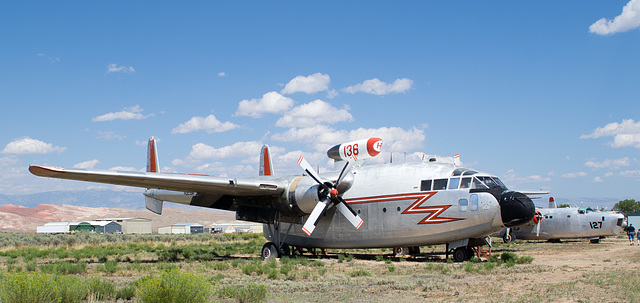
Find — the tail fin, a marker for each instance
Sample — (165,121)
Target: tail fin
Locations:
(152,156)
(552,202)
(266,165)
(151,203)
(456,159)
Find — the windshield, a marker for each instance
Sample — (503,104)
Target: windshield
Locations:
(488,182)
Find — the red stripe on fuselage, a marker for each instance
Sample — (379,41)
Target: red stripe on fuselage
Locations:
(415,208)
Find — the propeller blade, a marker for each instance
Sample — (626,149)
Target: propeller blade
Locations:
(349,213)
(538,229)
(315,216)
(310,171)
(345,170)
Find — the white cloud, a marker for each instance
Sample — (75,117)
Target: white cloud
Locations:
(377,87)
(129,113)
(209,124)
(511,177)
(597,180)
(86,164)
(271,102)
(114,68)
(27,145)
(322,137)
(311,84)
(109,135)
(313,113)
(608,163)
(127,168)
(629,19)
(222,74)
(626,133)
(51,59)
(575,175)
(630,173)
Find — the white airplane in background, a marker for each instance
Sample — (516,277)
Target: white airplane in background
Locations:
(400,206)
(554,224)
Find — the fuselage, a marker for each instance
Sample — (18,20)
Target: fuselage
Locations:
(572,223)
(409,204)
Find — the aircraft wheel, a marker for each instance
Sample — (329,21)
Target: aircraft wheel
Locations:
(595,241)
(508,238)
(286,250)
(460,254)
(401,251)
(269,251)
(414,250)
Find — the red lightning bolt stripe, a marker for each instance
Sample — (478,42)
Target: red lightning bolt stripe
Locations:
(415,208)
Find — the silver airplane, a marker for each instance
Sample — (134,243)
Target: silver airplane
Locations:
(399,206)
(554,224)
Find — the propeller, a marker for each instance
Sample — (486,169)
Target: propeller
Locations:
(537,219)
(328,195)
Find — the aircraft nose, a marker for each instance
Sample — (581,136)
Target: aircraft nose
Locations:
(516,208)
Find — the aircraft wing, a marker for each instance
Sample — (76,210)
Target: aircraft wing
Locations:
(534,192)
(255,186)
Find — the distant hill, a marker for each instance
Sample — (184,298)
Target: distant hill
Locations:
(24,213)
(15,218)
(88,198)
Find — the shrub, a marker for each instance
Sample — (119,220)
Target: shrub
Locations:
(70,289)
(173,286)
(508,256)
(101,289)
(126,293)
(525,260)
(21,287)
(359,273)
(244,293)
(64,267)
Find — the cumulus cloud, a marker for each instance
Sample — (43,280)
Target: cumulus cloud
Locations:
(222,74)
(629,19)
(109,135)
(128,113)
(210,124)
(575,175)
(626,133)
(608,163)
(377,87)
(313,113)
(322,137)
(630,173)
(50,58)
(86,164)
(26,145)
(271,102)
(310,84)
(114,68)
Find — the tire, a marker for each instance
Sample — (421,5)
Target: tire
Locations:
(401,251)
(269,251)
(508,238)
(460,254)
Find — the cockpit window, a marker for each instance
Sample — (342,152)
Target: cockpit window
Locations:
(488,182)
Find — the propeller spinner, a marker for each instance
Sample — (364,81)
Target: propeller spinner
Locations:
(328,195)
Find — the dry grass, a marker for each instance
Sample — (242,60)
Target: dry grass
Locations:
(572,271)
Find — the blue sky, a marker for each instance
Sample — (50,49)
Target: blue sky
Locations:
(543,94)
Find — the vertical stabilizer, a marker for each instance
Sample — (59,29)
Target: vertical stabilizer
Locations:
(153,204)
(266,165)
(152,156)
(552,202)
(456,160)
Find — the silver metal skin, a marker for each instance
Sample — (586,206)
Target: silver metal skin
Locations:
(391,199)
(572,223)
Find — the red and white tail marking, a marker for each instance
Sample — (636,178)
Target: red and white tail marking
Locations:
(152,156)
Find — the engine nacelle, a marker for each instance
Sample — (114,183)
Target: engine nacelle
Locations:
(356,150)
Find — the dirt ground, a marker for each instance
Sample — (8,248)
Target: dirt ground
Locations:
(570,271)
